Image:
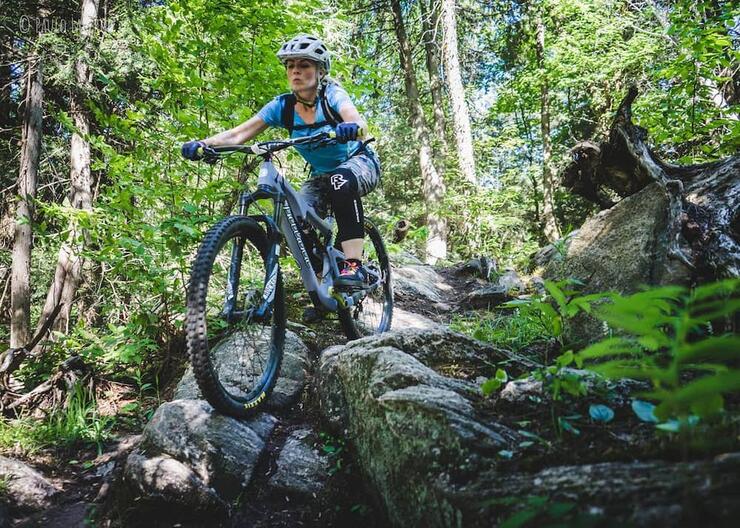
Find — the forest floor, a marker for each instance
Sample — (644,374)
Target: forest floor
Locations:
(559,431)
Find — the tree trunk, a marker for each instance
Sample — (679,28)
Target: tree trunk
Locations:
(702,231)
(5,86)
(551,230)
(637,494)
(20,293)
(429,19)
(433,187)
(460,115)
(69,263)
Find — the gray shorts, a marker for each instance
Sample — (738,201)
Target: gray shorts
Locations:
(360,174)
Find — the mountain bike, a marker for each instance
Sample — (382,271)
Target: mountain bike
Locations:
(236,316)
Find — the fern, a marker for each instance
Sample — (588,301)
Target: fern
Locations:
(667,337)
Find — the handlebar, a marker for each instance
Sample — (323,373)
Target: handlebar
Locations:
(267,147)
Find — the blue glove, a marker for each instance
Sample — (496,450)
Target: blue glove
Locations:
(347,132)
(190,150)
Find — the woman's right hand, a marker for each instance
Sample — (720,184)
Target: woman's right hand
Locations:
(190,149)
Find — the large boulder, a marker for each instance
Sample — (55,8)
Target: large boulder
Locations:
(410,425)
(435,453)
(301,468)
(23,488)
(232,353)
(620,249)
(194,458)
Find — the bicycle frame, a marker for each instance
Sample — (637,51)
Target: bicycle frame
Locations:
(290,212)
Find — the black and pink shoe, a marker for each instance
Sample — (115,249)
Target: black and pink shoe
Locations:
(351,275)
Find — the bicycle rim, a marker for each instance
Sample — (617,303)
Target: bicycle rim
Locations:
(236,356)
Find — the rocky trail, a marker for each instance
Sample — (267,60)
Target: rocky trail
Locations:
(390,430)
(299,475)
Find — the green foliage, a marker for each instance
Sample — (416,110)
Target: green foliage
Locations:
(516,330)
(77,422)
(554,310)
(540,510)
(4,485)
(666,336)
(335,449)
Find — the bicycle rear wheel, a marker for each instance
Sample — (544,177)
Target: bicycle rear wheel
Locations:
(374,313)
(236,355)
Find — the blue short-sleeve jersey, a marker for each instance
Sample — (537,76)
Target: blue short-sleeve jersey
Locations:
(323,159)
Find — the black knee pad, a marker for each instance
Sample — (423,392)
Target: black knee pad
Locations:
(343,183)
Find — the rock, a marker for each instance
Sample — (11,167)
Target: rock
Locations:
(23,488)
(488,296)
(194,458)
(517,391)
(620,249)
(419,282)
(642,494)
(482,267)
(537,284)
(554,252)
(511,281)
(228,356)
(405,319)
(408,424)
(403,258)
(301,468)
(530,389)
(4,516)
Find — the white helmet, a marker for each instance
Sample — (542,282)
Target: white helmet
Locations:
(305,47)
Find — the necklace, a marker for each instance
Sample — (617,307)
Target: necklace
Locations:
(305,102)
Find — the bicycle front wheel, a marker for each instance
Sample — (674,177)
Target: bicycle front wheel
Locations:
(236,351)
(374,313)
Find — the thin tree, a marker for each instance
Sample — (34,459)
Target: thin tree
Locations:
(20,290)
(460,115)
(433,186)
(69,263)
(551,230)
(429,21)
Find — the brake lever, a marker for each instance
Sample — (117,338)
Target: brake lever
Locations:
(210,156)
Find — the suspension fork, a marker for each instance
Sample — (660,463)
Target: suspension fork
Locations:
(271,264)
(232,283)
(272,261)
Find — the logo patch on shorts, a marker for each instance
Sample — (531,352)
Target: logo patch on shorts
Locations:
(337,180)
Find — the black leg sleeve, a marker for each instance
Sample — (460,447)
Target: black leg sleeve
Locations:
(346,204)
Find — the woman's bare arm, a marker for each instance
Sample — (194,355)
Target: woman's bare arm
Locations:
(239,134)
(350,115)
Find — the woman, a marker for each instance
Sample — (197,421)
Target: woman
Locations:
(340,173)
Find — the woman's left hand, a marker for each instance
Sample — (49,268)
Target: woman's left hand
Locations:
(347,132)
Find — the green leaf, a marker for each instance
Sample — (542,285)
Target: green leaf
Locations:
(601,413)
(724,348)
(705,387)
(490,385)
(708,406)
(565,425)
(631,369)
(645,411)
(565,359)
(613,346)
(557,294)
